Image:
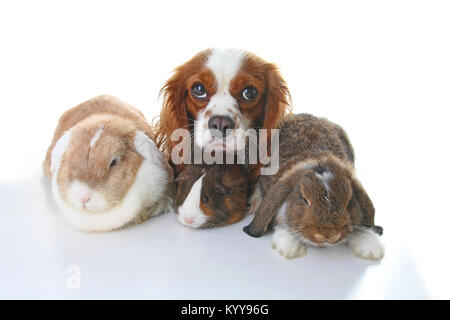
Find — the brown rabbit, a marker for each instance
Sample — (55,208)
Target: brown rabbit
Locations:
(315,198)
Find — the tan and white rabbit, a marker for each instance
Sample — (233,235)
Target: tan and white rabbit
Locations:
(315,198)
(105,169)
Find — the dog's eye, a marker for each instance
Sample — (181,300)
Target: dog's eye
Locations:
(249,93)
(199,91)
(205,199)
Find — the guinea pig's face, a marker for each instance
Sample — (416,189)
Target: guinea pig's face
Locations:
(185,181)
(97,169)
(318,208)
(212,197)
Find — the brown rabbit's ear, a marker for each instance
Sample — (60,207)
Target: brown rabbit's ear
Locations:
(360,201)
(276,195)
(306,187)
(348,190)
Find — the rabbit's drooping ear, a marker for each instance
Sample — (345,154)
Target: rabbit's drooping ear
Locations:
(360,201)
(145,146)
(58,151)
(275,197)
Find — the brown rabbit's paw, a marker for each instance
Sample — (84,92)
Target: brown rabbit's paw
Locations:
(287,245)
(367,246)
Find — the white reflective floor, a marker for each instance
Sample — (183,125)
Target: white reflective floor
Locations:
(161,259)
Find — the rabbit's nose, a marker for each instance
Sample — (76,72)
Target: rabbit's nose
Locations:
(85,200)
(188,220)
(330,239)
(319,238)
(335,238)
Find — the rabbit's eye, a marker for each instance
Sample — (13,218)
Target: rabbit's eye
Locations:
(113,163)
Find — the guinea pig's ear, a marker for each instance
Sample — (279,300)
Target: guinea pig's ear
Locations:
(196,171)
(269,206)
(145,146)
(219,189)
(58,151)
(361,202)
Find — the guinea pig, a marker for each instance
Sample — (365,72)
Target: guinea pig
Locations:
(105,170)
(315,198)
(211,196)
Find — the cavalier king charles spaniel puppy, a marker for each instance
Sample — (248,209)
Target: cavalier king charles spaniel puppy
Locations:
(222,90)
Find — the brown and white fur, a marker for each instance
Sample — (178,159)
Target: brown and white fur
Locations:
(105,169)
(211,196)
(220,89)
(315,198)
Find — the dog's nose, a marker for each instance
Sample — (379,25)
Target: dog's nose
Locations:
(221,124)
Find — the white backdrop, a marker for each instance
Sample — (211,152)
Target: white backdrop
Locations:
(381,69)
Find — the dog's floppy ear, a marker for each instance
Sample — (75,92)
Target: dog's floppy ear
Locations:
(277,99)
(269,206)
(173,112)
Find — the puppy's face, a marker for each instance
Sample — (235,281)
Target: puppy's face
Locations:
(227,95)
(211,197)
(221,94)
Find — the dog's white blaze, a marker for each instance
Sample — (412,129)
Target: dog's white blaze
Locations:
(191,206)
(224,64)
